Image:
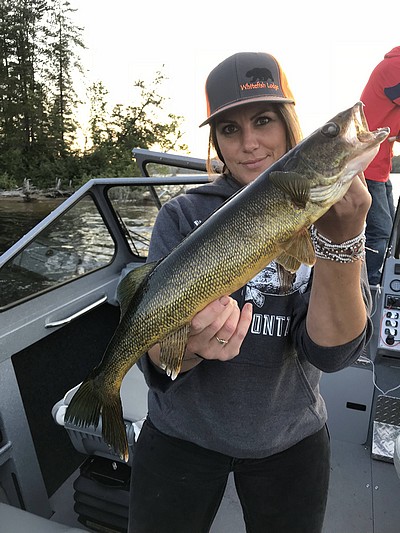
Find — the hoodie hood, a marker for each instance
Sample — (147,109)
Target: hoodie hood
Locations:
(223,187)
(188,211)
(393,53)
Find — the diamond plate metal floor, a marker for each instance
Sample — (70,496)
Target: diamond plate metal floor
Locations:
(386,427)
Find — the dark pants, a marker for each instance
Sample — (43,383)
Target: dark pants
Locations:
(379,226)
(177,486)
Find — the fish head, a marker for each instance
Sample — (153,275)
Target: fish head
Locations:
(335,153)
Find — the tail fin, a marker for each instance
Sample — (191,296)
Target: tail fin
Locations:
(86,406)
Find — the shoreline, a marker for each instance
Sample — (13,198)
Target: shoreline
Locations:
(32,195)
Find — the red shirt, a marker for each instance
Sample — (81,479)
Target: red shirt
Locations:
(381,98)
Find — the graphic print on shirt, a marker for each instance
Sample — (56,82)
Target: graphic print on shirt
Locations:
(267,283)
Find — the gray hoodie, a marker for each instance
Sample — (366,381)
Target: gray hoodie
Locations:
(267,398)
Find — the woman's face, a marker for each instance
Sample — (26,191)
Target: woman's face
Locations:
(250,138)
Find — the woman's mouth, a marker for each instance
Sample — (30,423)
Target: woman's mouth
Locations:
(253,164)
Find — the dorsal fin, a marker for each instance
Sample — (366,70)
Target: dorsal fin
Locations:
(130,284)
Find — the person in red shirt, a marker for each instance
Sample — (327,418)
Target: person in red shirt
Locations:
(381,98)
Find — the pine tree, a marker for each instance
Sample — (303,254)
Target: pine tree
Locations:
(39,64)
(63,43)
(19,89)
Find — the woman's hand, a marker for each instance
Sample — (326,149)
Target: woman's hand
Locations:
(223,320)
(336,312)
(346,218)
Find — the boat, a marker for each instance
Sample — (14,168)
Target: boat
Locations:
(58,310)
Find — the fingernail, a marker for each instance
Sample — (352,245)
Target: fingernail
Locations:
(224,300)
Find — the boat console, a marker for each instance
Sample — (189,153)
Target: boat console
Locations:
(385,352)
(388,301)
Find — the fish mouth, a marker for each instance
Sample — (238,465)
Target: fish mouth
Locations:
(365,142)
(347,142)
(355,146)
(362,131)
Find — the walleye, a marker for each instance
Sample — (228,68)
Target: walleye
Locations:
(266,220)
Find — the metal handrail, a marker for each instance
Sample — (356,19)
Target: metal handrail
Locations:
(79,313)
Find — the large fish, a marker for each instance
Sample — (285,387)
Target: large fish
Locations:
(268,219)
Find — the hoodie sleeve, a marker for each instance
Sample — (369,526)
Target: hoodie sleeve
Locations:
(170,228)
(334,358)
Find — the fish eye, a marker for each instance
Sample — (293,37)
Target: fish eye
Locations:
(330,129)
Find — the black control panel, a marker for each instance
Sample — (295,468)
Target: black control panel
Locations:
(388,301)
(386,312)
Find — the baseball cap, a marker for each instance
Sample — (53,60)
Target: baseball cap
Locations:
(243,78)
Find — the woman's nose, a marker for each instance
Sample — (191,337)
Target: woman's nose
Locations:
(250,140)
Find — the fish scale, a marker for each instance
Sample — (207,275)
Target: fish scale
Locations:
(266,220)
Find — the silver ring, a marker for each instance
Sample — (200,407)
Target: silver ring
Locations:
(221,341)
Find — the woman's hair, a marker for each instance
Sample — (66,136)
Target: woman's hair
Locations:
(292,126)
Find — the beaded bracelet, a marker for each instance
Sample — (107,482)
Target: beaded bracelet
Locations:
(346,252)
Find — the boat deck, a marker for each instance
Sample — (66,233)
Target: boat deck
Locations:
(363,496)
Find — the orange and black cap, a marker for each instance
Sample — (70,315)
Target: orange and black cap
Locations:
(243,78)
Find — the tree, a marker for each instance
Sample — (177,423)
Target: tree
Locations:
(139,126)
(19,88)
(63,42)
(39,61)
(98,122)
(114,134)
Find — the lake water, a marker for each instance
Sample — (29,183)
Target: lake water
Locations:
(17,217)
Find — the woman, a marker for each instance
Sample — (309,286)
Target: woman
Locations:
(247,399)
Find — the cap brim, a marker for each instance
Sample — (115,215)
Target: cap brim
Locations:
(269,98)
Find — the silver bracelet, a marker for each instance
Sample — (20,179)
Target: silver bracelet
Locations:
(346,252)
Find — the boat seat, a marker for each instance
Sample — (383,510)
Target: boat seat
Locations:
(15,520)
(134,404)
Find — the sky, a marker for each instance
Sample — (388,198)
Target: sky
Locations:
(327,49)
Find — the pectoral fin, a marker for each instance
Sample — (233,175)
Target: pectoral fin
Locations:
(172,351)
(294,185)
(296,251)
(288,262)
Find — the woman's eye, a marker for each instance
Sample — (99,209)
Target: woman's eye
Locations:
(228,129)
(263,120)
